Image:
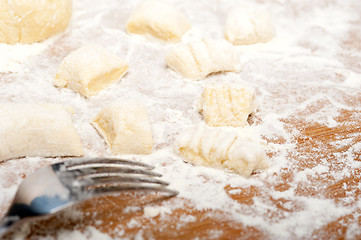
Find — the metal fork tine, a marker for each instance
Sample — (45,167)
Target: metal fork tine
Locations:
(83,172)
(66,183)
(134,187)
(101,178)
(103,162)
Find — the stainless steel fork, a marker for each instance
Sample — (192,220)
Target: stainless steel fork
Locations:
(58,186)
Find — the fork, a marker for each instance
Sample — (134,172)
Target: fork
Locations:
(61,185)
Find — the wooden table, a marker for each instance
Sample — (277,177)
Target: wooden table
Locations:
(317,140)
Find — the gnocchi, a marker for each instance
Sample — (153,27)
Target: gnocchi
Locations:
(37,130)
(158,19)
(248,25)
(125,127)
(221,148)
(89,70)
(196,60)
(33,21)
(226,106)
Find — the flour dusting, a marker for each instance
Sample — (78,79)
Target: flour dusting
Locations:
(307,81)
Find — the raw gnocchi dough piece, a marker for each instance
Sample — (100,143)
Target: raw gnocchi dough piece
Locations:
(227,106)
(89,70)
(125,127)
(32,21)
(37,130)
(198,59)
(233,149)
(158,19)
(248,25)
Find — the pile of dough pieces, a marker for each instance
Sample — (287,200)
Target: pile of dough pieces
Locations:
(197,59)
(225,140)
(46,130)
(157,19)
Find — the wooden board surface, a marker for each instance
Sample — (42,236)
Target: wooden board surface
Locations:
(315,143)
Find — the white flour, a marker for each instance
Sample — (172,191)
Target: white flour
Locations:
(302,66)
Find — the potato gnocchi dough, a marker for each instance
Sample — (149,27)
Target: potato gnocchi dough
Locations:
(227,106)
(125,127)
(248,25)
(158,19)
(198,59)
(37,130)
(32,21)
(89,70)
(220,147)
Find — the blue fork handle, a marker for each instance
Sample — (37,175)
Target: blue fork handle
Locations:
(41,205)
(6,223)
(15,213)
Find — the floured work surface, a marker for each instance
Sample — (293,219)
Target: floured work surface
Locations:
(308,87)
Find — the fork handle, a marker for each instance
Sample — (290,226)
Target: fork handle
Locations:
(5,224)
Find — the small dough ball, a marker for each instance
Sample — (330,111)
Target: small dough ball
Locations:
(158,19)
(125,127)
(89,70)
(227,106)
(151,212)
(37,130)
(198,59)
(248,25)
(27,21)
(224,148)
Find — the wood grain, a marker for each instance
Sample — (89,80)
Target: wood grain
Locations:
(315,144)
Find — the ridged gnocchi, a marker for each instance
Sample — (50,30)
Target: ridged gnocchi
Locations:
(226,106)
(158,19)
(125,127)
(219,147)
(196,60)
(248,25)
(37,130)
(89,70)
